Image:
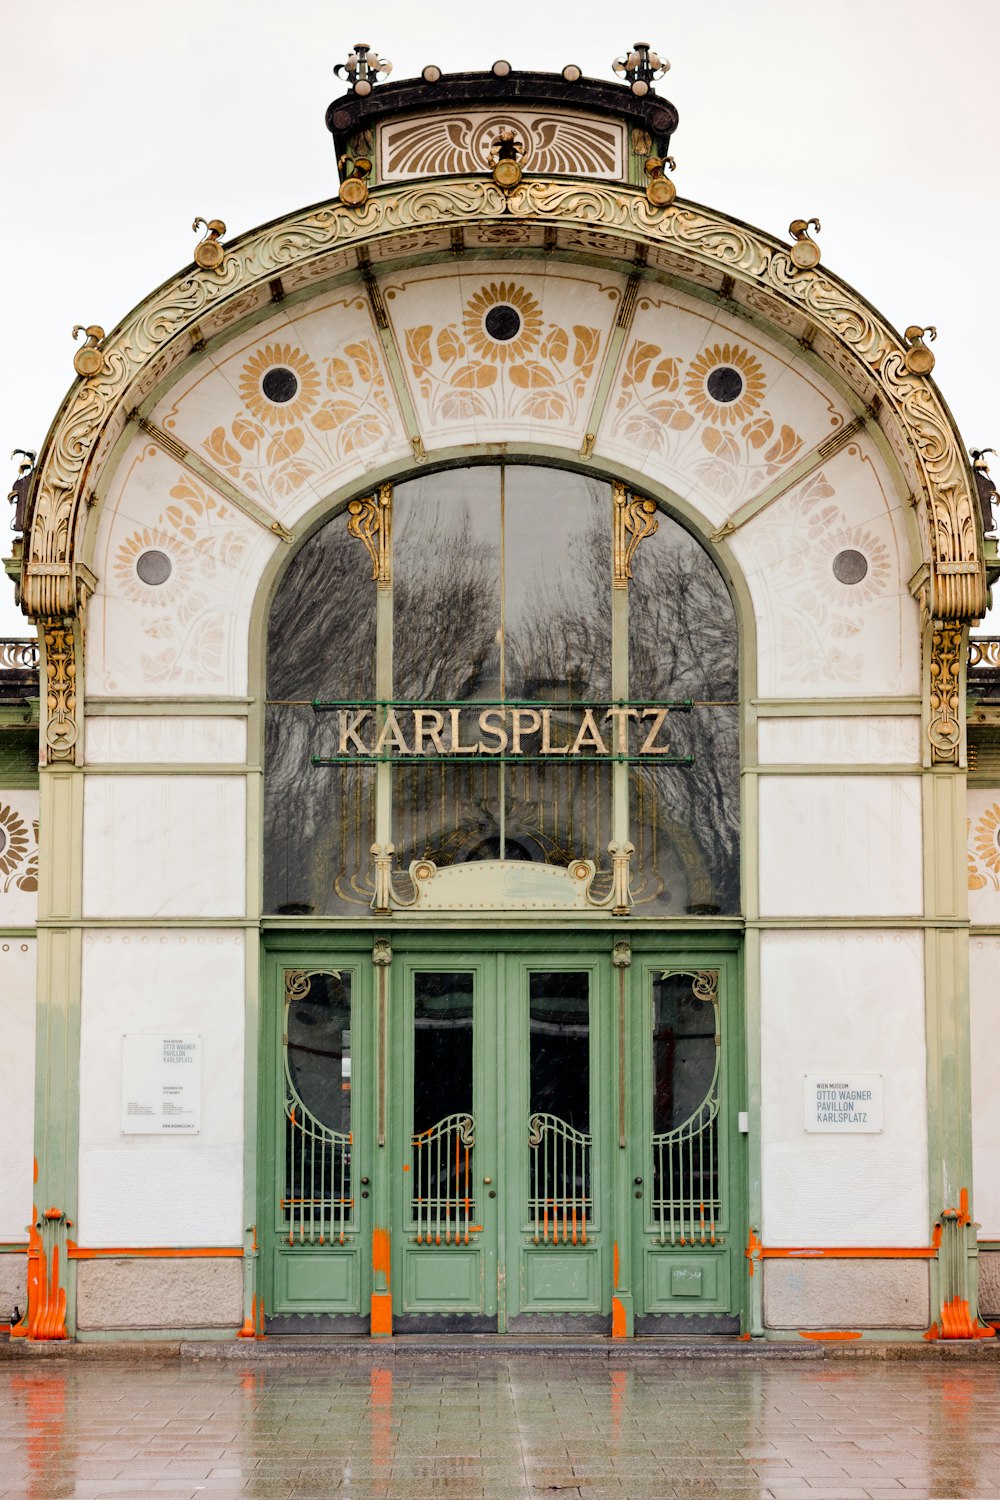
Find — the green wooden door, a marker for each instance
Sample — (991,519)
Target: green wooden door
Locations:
(687,1153)
(314,1230)
(500,1119)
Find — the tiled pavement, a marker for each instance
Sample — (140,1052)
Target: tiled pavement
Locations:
(497,1428)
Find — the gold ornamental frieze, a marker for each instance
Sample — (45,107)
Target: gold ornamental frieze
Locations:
(689,240)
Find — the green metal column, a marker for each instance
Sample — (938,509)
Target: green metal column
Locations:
(381,1301)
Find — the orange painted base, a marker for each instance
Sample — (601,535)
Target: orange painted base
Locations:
(956,1323)
(381,1315)
(619,1322)
(834,1335)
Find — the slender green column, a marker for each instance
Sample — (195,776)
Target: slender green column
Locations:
(622,1302)
(381,1303)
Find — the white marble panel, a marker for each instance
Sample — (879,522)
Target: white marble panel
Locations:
(817,631)
(156,846)
(171,1191)
(840,846)
(166,740)
(533,382)
(17,1084)
(663,415)
(299,405)
(984,855)
(984,1001)
(18,857)
(862,740)
(178,569)
(843,1001)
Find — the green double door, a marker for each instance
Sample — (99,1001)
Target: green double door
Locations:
(536,1138)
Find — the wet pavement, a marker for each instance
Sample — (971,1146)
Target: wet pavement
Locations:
(498,1428)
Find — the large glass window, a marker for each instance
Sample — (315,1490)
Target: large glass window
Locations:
(490,606)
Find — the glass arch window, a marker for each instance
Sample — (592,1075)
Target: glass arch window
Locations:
(470,665)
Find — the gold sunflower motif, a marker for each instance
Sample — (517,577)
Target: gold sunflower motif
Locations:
(858,561)
(725,383)
(152,567)
(280,385)
(987,842)
(13,840)
(502,322)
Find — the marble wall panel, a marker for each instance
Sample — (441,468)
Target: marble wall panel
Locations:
(497,353)
(179,568)
(850,1001)
(173,740)
(860,740)
(711,406)
(293,408)
(17,1084)
(984,1002)
(827,565)
(18,857)
(156,846)
(148,1190)
(840,846)
(983,855)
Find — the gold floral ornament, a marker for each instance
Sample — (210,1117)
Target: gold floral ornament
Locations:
(725,384)
(986,847)
(502,322)
(280,385)
(14,844)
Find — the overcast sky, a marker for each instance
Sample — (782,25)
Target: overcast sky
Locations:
(123,119)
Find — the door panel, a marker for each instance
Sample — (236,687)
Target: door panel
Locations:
(687,1226)
(444,1236)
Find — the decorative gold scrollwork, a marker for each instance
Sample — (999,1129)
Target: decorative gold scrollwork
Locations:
(370,520)
(354,188)
(705,986)
(298,983)
(944,726)
(61,729)
(209,253)
(88,359)
(805,253)
(919,360)
(660,191)
(635,519)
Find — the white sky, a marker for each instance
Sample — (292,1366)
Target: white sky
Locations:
(122,119)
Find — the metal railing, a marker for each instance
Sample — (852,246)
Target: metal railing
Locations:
(442,1201)
(559,1194)
(18,654)
(686,1201)
(317,1204)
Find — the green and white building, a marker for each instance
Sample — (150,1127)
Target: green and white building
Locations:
(499,842)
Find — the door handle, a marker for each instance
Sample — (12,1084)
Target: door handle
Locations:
(487,1180)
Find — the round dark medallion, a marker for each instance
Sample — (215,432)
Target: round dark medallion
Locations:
(153,567)
(503,322)
(850,566)
(4,841)
(725,384)
(280,384)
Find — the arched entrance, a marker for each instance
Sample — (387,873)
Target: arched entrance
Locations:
(503,711)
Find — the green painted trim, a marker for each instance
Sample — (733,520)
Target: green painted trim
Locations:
(831,768)
(755,1133)
(62,924)
(140,708)
(837,708)
(168,768)
(153,1335)
(15,1247)
(24,933)
(984,929)
(882,923)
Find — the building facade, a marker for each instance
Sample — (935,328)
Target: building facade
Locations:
(499,844)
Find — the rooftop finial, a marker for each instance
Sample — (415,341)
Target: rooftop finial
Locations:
(641,67)
(363,68)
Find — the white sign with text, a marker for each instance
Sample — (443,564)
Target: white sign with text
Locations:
(161,1084)
(844,1103)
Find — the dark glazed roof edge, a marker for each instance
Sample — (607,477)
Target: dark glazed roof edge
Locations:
(472,90)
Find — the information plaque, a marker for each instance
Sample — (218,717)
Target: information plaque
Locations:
(844,1103)
(161,1083)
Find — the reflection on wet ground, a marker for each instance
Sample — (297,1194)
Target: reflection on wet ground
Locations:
(499,1428)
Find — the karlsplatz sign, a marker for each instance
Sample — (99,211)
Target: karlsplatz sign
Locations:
(523,731)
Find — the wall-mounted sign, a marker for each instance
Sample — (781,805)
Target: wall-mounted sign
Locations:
(503,731)
(844,1103)
(161,1084)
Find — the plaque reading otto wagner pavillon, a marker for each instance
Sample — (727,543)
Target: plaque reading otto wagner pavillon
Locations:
(504,642)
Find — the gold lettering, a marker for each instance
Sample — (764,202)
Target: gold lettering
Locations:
(349,727)
(420,733)
(620,718)
(647,747)
(391,735)
(547,746)
(589,735)
(523,721)
(457,748)
(487,727)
